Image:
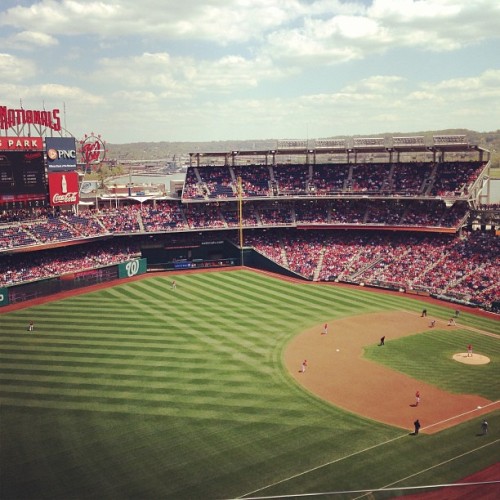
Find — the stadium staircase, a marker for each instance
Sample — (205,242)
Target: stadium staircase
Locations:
(356,274)
(140,222)
(317,271)
(415,283)
(283,255)
(466,275)
(27,231)
(428,183)
(387,183)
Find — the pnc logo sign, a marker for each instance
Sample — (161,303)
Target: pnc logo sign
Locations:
(61,154)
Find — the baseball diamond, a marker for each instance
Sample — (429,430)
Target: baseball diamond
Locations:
(195,393)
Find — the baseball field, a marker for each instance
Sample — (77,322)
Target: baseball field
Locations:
(140,390)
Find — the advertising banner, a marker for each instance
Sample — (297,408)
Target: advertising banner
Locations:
(132,268)
(18,117)
(21,144)
(61,153)
(4,297)
(63,188)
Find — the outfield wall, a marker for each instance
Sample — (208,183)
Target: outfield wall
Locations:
(71,281)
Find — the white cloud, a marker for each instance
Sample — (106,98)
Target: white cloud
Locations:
(27,40)
(54,92)
(62,17)
(319,29)
(487,81)
(437,25)
(431,25)
(183,77)
(15,69)
(194,69)
(407,11)
(377,83)
(481,93)
(65,93)
(232,20)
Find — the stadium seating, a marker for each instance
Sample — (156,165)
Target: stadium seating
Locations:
(315,203)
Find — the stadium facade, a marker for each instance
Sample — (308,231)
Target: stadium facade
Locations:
(403,213)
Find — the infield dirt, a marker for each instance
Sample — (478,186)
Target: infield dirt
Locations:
(338,373)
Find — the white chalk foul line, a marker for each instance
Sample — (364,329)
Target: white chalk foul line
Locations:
(439,465)
(303,473)
(492,403)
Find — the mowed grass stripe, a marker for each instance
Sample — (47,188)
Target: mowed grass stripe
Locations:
(334,298)
(235,288)
(250,415)
(236,400)
(62,355)
(280,297)
(154,383)
(225,380)
(228,322)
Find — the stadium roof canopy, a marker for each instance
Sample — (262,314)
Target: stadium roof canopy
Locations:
(358,145)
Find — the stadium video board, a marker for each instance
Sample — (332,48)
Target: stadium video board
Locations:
(22,179)
(61,153)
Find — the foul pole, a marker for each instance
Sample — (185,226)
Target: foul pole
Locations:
(240,218)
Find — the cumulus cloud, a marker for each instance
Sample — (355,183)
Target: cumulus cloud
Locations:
(183,76)
(233,20)
(15,69)
(27,40)
(343,63)
(243,20)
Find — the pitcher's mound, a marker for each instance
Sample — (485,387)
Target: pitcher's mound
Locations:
(475,359)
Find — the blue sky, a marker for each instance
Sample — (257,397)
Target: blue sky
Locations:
(190,70)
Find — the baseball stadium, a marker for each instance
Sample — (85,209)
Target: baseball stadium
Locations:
(319,319)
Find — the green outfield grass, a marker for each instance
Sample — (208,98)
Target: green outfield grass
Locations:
(141,391)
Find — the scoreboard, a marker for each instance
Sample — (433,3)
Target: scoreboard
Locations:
(23,181)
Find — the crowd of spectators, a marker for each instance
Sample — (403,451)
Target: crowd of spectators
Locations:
(330,179)
(463,268)
(370,179)
(15,235)
(171,215)
(409,178)
(291,180)
(22,268)
(123,219)
(430,179)
(455,177)
(163,216)
(255,181)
